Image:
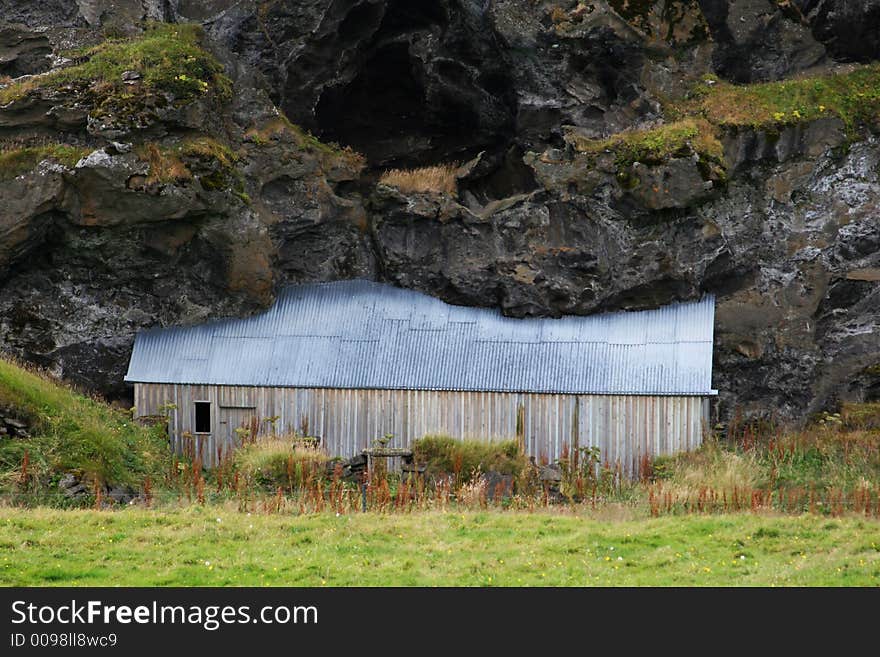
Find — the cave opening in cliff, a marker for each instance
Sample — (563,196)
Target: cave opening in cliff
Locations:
(387,113)
(407,15)
(379,109)
(417,97)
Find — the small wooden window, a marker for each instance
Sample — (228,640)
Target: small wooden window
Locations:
(203,417)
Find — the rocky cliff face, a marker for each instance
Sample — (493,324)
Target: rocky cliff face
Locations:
(613,155)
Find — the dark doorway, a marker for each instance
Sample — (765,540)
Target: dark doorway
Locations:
(203,417)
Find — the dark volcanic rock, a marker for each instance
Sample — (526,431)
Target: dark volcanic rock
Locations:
(12,425)
(72,487)
(398,80)
(849,29)
(22,51)
(159,222)
(784,231)
(790,249)
(91,257)
(757,40)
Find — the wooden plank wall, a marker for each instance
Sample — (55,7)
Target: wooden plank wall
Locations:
(624,427)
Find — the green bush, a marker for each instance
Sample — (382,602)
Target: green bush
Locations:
(280,462)
(463,457)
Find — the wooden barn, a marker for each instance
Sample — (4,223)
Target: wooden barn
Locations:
(355,360)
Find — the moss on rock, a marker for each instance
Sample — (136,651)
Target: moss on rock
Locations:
(676,22)
(656,145)
(697,124)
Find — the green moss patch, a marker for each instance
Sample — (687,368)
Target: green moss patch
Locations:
(852,96)
(210,149)
(697,123)
(655,145)
(16,162)
(169,59)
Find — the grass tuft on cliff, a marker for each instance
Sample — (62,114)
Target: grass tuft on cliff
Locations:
(169,58)
(212,161)
(281,128)
(71,432)
(440,178)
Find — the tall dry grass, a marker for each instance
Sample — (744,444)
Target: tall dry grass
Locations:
(440,178)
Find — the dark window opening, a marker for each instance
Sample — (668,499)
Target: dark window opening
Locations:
(203,417)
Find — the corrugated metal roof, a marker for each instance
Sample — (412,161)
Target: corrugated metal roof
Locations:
(360,334)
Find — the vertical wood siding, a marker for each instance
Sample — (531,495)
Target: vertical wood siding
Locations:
(626,428)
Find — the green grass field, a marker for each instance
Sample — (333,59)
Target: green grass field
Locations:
(728,514)
(220,546)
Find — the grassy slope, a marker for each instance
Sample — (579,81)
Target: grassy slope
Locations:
(216,546)
(73,433)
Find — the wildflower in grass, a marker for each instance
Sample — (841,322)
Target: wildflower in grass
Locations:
(778,116)
(821,108)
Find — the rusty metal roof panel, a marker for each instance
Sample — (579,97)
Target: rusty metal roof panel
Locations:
(361,334)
